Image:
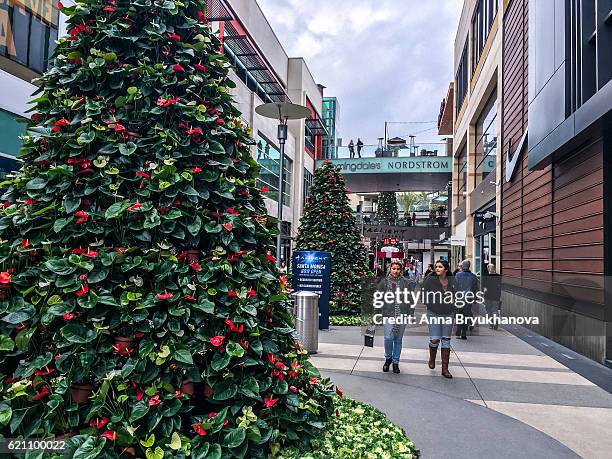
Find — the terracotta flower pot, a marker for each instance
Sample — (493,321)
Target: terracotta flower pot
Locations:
(187,387)
(192,255)
(123,345)
(80,393)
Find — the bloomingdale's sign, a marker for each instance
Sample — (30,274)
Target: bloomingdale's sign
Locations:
(394,165)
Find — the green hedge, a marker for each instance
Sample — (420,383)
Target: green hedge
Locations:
(358,431)
(347,320)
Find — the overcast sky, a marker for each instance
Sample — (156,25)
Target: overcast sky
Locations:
(385,60)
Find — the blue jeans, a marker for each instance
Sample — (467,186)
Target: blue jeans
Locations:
(439,331)
(393,341)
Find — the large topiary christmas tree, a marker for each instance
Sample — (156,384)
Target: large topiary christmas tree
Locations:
(140,308)
(328,225)
(386,212)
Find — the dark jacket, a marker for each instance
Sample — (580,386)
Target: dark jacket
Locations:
(402,284)
(466,281)
(432,285)
(491,286)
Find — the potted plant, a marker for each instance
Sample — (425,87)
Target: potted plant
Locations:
(80,392)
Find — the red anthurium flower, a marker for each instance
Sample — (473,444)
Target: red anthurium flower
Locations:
(197,428)
(68,316)
(339,392)
(144,175)
(120,250)
(292,374)
(174,36)
(271,358)
(59,5)
(293,389)
(91,254)
(154,400)
(217,340)
(139,394)
(280,365)
(98,423)
(314,381)
(201,16)
(119,127)
(251,292)
(164,296)
(196,170)
(83,290)
(109,8)
(47,371)
(232,293)
(20,327)
(79,251)
(264,189)
(5,278)
(270,402)
(200,67)
(271,258)
(25,243)
(195,266)
(5,204)
(138,334)
(82,216)
(42,393)
(296,366)
(189,298)
(227,226)
(29,202)
(83,277)
(178,68)
(232,211)
(110,435)
(59,124)
(137,205)
(220,121)
(193,131)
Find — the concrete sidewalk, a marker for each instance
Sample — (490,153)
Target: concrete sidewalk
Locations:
(507,398)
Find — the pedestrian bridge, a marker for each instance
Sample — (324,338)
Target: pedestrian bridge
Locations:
(422,168)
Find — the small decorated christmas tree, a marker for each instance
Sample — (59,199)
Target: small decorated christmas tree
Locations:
(386,212)
(141,312)
(328,225)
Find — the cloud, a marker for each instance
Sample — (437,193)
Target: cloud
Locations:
(385,60)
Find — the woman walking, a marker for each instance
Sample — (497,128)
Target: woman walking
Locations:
(394,332)
(439,313)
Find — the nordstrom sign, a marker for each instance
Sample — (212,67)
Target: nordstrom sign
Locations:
(441,164)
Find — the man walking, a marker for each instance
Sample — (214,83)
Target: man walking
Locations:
(466,281)
(359,146)
(351,146)
(491,286)
(411,273)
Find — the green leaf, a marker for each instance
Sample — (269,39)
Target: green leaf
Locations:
(175,442)
(131,91)
(77,333)
(71,204)
(37,184)
(6,343)
(204,306)
(86,137)
(90,449)
(22,315)
(157,454)
(127,148)
(61,223)
(149,441)
(23,338)
(139,410)
(234,349)
(220,361)
(215,452)
(116,210)
(5,413)
(183,356)
(234,437)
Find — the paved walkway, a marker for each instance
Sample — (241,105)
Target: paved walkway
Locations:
(507,398)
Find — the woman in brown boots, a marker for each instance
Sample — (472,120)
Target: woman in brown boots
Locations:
(440,313)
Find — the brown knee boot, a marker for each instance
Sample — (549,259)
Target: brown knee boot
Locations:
(432,357)
(445,358)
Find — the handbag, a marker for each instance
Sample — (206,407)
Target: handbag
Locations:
(368,336)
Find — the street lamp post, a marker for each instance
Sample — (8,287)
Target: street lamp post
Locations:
(281,112)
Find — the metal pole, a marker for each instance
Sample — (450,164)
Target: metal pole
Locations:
(282,136)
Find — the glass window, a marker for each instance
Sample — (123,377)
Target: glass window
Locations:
(486,141)
(482,21)
(38,46)
(461,79)
(21,29)
(310,139)
(268,158)
(308,180)
(462,172)
(287,175)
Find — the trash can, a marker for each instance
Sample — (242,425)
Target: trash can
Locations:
(306,314)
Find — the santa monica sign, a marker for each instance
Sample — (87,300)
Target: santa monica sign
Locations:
(441,164)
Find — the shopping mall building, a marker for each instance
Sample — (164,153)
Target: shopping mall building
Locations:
(263,73)
(533,81)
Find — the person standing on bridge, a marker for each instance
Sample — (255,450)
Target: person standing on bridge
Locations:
(359,146)
(439,314)
(351,146)
(392,311)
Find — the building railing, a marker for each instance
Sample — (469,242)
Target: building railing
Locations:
(437,221)
(376,151)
